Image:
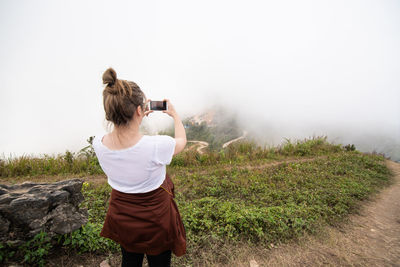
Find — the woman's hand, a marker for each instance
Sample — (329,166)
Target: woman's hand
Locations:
(147,110)
(171,110)
(180,133)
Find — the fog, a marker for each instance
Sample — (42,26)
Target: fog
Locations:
(288,69)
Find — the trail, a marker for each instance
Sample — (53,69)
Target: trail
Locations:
(201,146)
(258,166)
(234,140)
(370,238)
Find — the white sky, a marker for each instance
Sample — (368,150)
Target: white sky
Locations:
(290,68)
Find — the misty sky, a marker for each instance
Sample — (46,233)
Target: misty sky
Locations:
(288,68)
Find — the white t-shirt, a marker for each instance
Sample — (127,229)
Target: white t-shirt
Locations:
(140,168)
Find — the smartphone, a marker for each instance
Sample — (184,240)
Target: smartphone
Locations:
(158,105)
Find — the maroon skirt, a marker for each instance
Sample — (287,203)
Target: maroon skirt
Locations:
(147,223)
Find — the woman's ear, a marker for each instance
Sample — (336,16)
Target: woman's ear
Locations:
(139,111)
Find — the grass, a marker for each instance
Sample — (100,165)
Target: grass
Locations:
(83,162)
(86,163)
(274,204)
(244,194)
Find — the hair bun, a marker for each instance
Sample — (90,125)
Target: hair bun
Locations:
(109,77)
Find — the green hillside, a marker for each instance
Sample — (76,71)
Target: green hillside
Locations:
(244,194)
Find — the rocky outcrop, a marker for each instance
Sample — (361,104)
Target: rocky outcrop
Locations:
(28,208)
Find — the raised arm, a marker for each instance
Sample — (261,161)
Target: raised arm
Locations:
(180,133)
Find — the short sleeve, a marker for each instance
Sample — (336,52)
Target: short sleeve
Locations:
(164,149)
(96,143)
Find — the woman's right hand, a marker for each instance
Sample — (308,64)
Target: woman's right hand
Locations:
(171,110)
(180,133)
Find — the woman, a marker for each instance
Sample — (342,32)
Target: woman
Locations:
(142,215)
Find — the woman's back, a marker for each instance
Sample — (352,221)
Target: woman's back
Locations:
(139,168)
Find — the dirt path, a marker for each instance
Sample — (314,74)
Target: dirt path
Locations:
(201,146)
(234,140)
(372,238)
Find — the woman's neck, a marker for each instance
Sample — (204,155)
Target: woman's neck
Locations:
(125,134)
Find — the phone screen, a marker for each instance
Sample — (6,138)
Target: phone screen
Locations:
(158,105)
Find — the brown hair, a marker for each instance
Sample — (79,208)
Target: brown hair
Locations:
(120,98)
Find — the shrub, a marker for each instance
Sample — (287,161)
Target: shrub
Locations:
(87,239)
(349,147)
(36,249)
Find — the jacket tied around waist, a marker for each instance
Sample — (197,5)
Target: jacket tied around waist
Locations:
(147,223)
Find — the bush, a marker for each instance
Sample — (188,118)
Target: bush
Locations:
(36,249)
(350,147)
(276,203)
(87,239)
(309,147)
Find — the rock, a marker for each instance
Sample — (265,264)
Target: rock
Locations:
(28,208)
(253,263)
(104,264)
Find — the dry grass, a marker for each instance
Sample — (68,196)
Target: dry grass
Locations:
(96,179)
